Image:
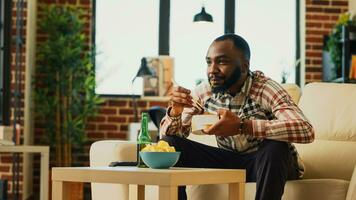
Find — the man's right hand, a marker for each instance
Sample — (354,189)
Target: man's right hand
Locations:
(179,98)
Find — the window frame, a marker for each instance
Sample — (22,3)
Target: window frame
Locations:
(164,25)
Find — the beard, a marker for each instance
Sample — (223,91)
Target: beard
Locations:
(228,82)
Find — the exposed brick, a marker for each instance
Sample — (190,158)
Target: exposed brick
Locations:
(107,127)
(317,47)
(126,111)
(334,18)
(328,25)
(108,111)
(140,104)
(317,76)
(317,32)
(317,17)
(159,103)
(313,69)
(314,9)
(308,76)
(131,119)
(316,62)
(97,119)
(313,54)
(85,2)
(313,25)
(117,119)
(6,159)
(124,127)
(96,135)
(314,39)
(320,2)
(116,135)
(332,10)
(4,168)
(339,3)
(120,103)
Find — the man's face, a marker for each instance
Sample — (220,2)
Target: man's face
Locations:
(225,65)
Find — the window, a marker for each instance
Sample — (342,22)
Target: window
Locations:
(190,41)
(126,31)
(271,32)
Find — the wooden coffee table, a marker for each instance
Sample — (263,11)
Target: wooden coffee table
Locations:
(167,180)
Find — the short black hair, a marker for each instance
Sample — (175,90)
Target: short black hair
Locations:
(239,43)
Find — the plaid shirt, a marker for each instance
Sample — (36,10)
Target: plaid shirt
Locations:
(273,113)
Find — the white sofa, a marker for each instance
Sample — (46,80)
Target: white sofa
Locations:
(330,160)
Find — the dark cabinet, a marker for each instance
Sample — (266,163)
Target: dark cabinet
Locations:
(347,46)
(348,49)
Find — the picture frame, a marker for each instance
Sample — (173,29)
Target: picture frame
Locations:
(159,84)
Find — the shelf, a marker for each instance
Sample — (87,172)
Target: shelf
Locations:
(342,80)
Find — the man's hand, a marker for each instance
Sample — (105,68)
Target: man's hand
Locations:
(179,98)
(228,124)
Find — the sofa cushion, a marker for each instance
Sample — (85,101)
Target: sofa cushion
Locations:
(293,90)
(330,107)
(328,159)
(311,189)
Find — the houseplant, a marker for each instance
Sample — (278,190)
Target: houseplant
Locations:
(64,82)
(333,43)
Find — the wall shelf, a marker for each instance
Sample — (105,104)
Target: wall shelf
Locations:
(348,39)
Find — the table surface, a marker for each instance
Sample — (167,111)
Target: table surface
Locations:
(147,176)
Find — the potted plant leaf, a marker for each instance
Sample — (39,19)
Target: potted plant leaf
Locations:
(64,82)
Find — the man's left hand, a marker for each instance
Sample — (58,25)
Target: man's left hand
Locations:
(228,124)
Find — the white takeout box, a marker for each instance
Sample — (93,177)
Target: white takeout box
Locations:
(199,122)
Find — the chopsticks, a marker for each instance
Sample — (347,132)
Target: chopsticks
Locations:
(196,103)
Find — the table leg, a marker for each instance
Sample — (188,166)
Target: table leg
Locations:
(60,190)
(140,192)
(236,191)
(44,175)
(168,192)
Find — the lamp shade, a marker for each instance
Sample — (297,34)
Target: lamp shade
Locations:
(203,16)
(144,70)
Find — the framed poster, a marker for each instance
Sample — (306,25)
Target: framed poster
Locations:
(160,83)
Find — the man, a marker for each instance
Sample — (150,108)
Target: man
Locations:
(258,121)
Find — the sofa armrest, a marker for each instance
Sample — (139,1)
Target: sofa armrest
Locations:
(102,153)
(351,193)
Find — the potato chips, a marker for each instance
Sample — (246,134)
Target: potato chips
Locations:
(161,146)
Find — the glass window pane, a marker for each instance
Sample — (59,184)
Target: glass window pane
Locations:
(189,41)
(270,31)
(126,31)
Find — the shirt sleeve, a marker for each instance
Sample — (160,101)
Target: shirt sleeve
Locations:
(180,125)
(289,124)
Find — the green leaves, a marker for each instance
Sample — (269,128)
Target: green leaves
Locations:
(65,78)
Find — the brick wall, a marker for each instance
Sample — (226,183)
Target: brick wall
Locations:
(6,158)
(114,117)
(321,15)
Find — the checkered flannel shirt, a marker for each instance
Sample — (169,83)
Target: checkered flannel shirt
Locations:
(273,113)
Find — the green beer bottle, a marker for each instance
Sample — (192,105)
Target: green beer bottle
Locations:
(143,139)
